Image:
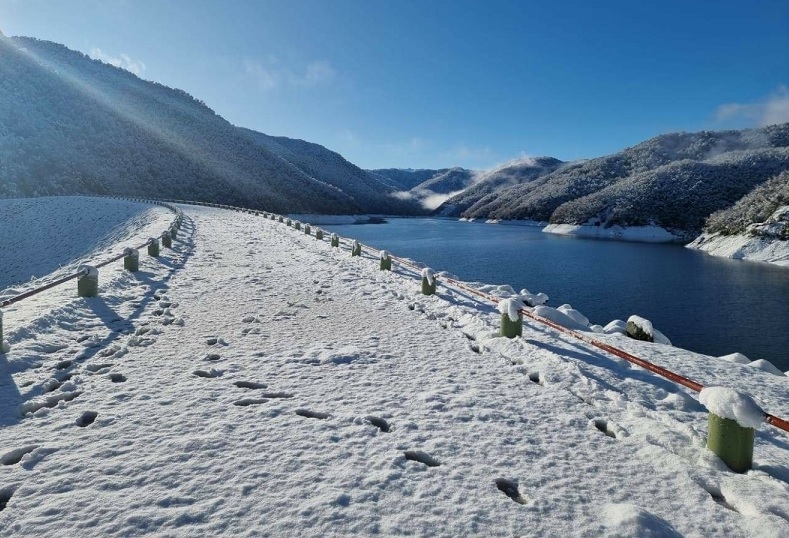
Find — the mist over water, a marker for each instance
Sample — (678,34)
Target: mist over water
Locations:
(709,305)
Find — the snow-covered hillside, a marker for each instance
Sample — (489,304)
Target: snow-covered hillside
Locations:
(755,228)
(73,125)
(40,235)
(672,181)
(255,381)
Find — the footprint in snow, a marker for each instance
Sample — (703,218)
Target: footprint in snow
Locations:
(510,489)
(212,357)
(421,457)
(602,425)
(86,419)
(117,378)
(208,373)
(15,456)
(379,423)
(250,385)
(96,367)
(5,496)
(250,401)
(306,413)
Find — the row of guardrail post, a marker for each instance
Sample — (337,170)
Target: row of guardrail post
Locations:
(727,439)
(87,276)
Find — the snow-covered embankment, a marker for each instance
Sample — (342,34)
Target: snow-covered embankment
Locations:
(305,392)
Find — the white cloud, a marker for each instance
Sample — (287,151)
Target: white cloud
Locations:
(266,78)
(270,74)
(317,73)
(774,109)
(123,61)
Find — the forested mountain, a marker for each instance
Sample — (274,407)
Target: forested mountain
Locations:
(70,124)
(764,212)
(488,184)
(405,179)
(428,187)
(675,181)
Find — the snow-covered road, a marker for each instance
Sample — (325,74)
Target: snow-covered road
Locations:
(253,381)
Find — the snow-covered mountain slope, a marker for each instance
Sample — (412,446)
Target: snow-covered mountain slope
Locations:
(69,124)
(405,179)
(367,190)
(40,235)
(255,381)
(471,203)
(755,228)
(429,188)
(674,181)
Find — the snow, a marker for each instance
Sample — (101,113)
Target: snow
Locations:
(742,247)
(429,275)
(650,234)
(559,317)
(384,255)
(34,241)
(89,270)
(252,381)
(511,307)
(734,405)
(739,358)
(571,312)
(616,326)
(766,366)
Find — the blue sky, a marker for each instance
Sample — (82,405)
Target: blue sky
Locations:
(429,84)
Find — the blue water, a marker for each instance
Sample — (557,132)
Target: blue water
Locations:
(711,305)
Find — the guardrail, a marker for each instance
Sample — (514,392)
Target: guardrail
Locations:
(429,280)
(88,281)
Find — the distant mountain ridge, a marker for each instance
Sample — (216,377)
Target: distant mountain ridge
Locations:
(674,181)
(73,125)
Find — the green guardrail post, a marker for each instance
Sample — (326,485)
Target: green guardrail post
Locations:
(428,281)
(510,328)
(307,229)
(173,232)
(356,248)
(88,283)
(731,442)
(297,225)
(167,241)
(335,240)
(319,234)
(289,222)
(386,261)
(153,247)
(131,260)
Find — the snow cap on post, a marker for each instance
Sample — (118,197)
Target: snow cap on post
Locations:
(386,261)
(131,259)
(733,405)
(88,283)
(428,281)
(511,317)
(511,308)
(733,419)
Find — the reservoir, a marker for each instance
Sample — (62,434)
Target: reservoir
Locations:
(702,303)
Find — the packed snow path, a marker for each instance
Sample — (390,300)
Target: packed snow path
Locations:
(256,382)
